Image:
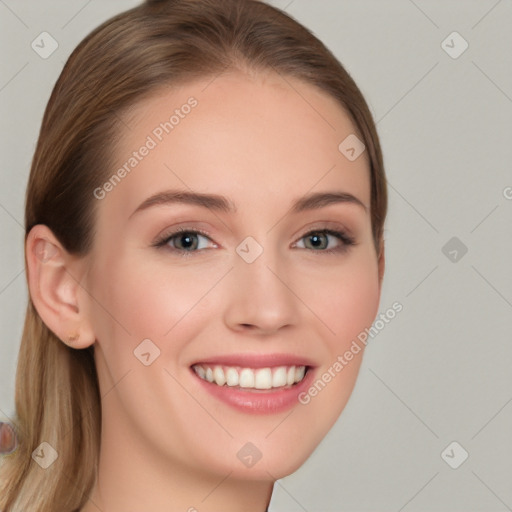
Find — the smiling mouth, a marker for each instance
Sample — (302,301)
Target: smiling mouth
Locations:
(238,377)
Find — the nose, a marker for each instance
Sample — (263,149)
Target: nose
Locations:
(260,296)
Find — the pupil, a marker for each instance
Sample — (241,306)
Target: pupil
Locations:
(189,243)
(316,240)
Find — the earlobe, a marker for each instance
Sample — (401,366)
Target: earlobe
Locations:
(54,284)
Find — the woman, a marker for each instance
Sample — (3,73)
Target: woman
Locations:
(204,243)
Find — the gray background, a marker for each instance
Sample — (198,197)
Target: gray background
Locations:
(441,370)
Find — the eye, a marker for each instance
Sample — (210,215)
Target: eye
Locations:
(186,241)
(183,240)
(318,240)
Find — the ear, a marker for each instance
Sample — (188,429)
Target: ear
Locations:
(381,262)
(54,280)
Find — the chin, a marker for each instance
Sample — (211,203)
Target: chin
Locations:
(264,459)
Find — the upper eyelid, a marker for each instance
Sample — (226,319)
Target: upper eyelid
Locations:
(179,230)
(320,225)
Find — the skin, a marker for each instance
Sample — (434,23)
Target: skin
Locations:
(166,443)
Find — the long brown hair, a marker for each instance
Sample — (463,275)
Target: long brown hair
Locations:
(124,60)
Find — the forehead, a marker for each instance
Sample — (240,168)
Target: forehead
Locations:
(252,138)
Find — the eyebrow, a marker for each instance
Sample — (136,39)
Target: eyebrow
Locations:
(220,203)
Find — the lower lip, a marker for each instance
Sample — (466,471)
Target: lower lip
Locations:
(258,401)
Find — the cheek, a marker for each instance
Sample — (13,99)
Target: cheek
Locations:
(354,303)
(150,299)
(344,298)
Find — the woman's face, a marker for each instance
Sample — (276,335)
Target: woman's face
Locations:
(264,290)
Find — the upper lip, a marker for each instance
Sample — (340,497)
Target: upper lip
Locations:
(256,360)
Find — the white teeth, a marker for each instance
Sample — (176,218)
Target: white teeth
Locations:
(299,373)
(200,371)
(290,376)
(218,376)
(246,378)
(232,377)
(260,378)
(279,377)
(263,379)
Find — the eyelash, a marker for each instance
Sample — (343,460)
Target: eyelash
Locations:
(346,240)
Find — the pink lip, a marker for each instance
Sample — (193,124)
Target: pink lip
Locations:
(258,401)
(256,360)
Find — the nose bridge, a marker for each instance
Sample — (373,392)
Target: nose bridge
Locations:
(259,296)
